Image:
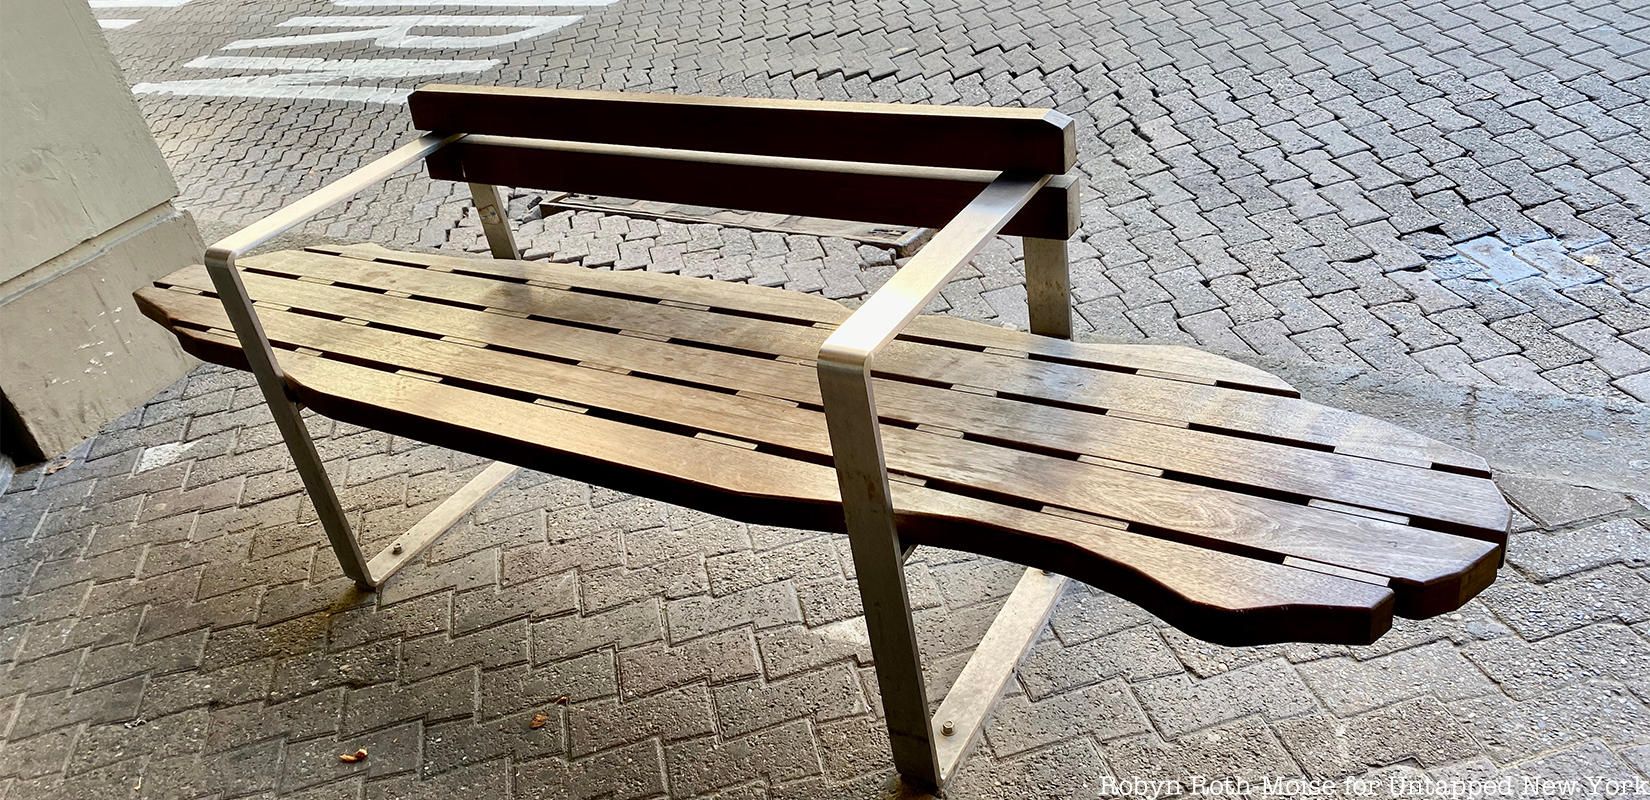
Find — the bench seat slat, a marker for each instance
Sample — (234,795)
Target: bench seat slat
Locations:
(1219,596)
(1454,499)
(1214,407)
(745,298)
(1427,565)
(1431,571)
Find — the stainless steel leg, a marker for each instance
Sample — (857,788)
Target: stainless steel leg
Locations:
(879,562)
(495,220)
(1048,287)
(261,358)
(963,713)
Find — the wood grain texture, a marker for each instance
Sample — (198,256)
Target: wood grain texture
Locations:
(702,402)
(1265,465)
(1030,140)
(744,298)
(1190,400)
(862,192)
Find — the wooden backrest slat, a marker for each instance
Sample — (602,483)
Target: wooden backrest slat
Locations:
(1037,141)
(876,193)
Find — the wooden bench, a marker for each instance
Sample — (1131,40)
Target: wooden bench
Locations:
(1202,489)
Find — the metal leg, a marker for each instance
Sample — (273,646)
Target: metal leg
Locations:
(495,220)
(1048,287)
(407,546)
(261,358)
(962,715)
(879,562)
(862,475)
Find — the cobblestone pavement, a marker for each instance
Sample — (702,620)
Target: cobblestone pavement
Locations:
(171,625)
(1317,181)
(1454,187)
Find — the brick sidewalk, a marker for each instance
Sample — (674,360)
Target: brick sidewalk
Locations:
(1450,188)
(1328,182)
(173,625)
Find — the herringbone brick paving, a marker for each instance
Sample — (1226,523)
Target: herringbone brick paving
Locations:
(1328,181)
(173,625)
(1450,187)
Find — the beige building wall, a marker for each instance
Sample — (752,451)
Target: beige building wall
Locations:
(86,219)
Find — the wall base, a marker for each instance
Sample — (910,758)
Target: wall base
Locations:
(74,351)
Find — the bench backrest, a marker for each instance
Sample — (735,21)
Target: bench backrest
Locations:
(870,162)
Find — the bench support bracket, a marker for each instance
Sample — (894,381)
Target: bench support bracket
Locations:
(925,755)
(260,357)
(962,715)
(1048,287)
(495,220)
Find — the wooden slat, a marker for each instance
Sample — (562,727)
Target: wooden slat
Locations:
(1436,571)
(1183,363)
(1459,500)
(897,195)
(1214,407)
(1032,140)
(1222,597)
(781,304)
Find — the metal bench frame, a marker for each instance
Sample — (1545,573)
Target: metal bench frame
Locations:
(927,750)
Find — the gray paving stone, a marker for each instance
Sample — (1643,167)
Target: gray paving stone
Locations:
(389,752)
(1285,178)
(1510,731)
(1536,611)
(1103,711)
(782,753)
(1420,729)
(1525,669)
(1350,687)
(1179,704)
(670,716)
(830,693)
(1545,556)
(626,626)
(1136,654)
(719,658)
(1243,750)
(1557,505)
(1075,763)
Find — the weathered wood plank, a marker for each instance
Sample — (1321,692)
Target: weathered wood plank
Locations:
(1459,500)
(1032,140)
(1220,596)
(1217,407)
(863,192)
(1435,571)
(902,240)
(1174,360)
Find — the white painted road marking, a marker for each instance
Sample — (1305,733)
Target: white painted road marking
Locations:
(312,78)
(397,31)
(324,79)
(115,24)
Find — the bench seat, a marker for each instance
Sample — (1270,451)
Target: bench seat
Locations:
(1203,489)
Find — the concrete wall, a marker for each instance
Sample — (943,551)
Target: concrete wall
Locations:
(86,218)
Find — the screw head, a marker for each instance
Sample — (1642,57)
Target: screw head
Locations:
(396,548)
(947,729)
